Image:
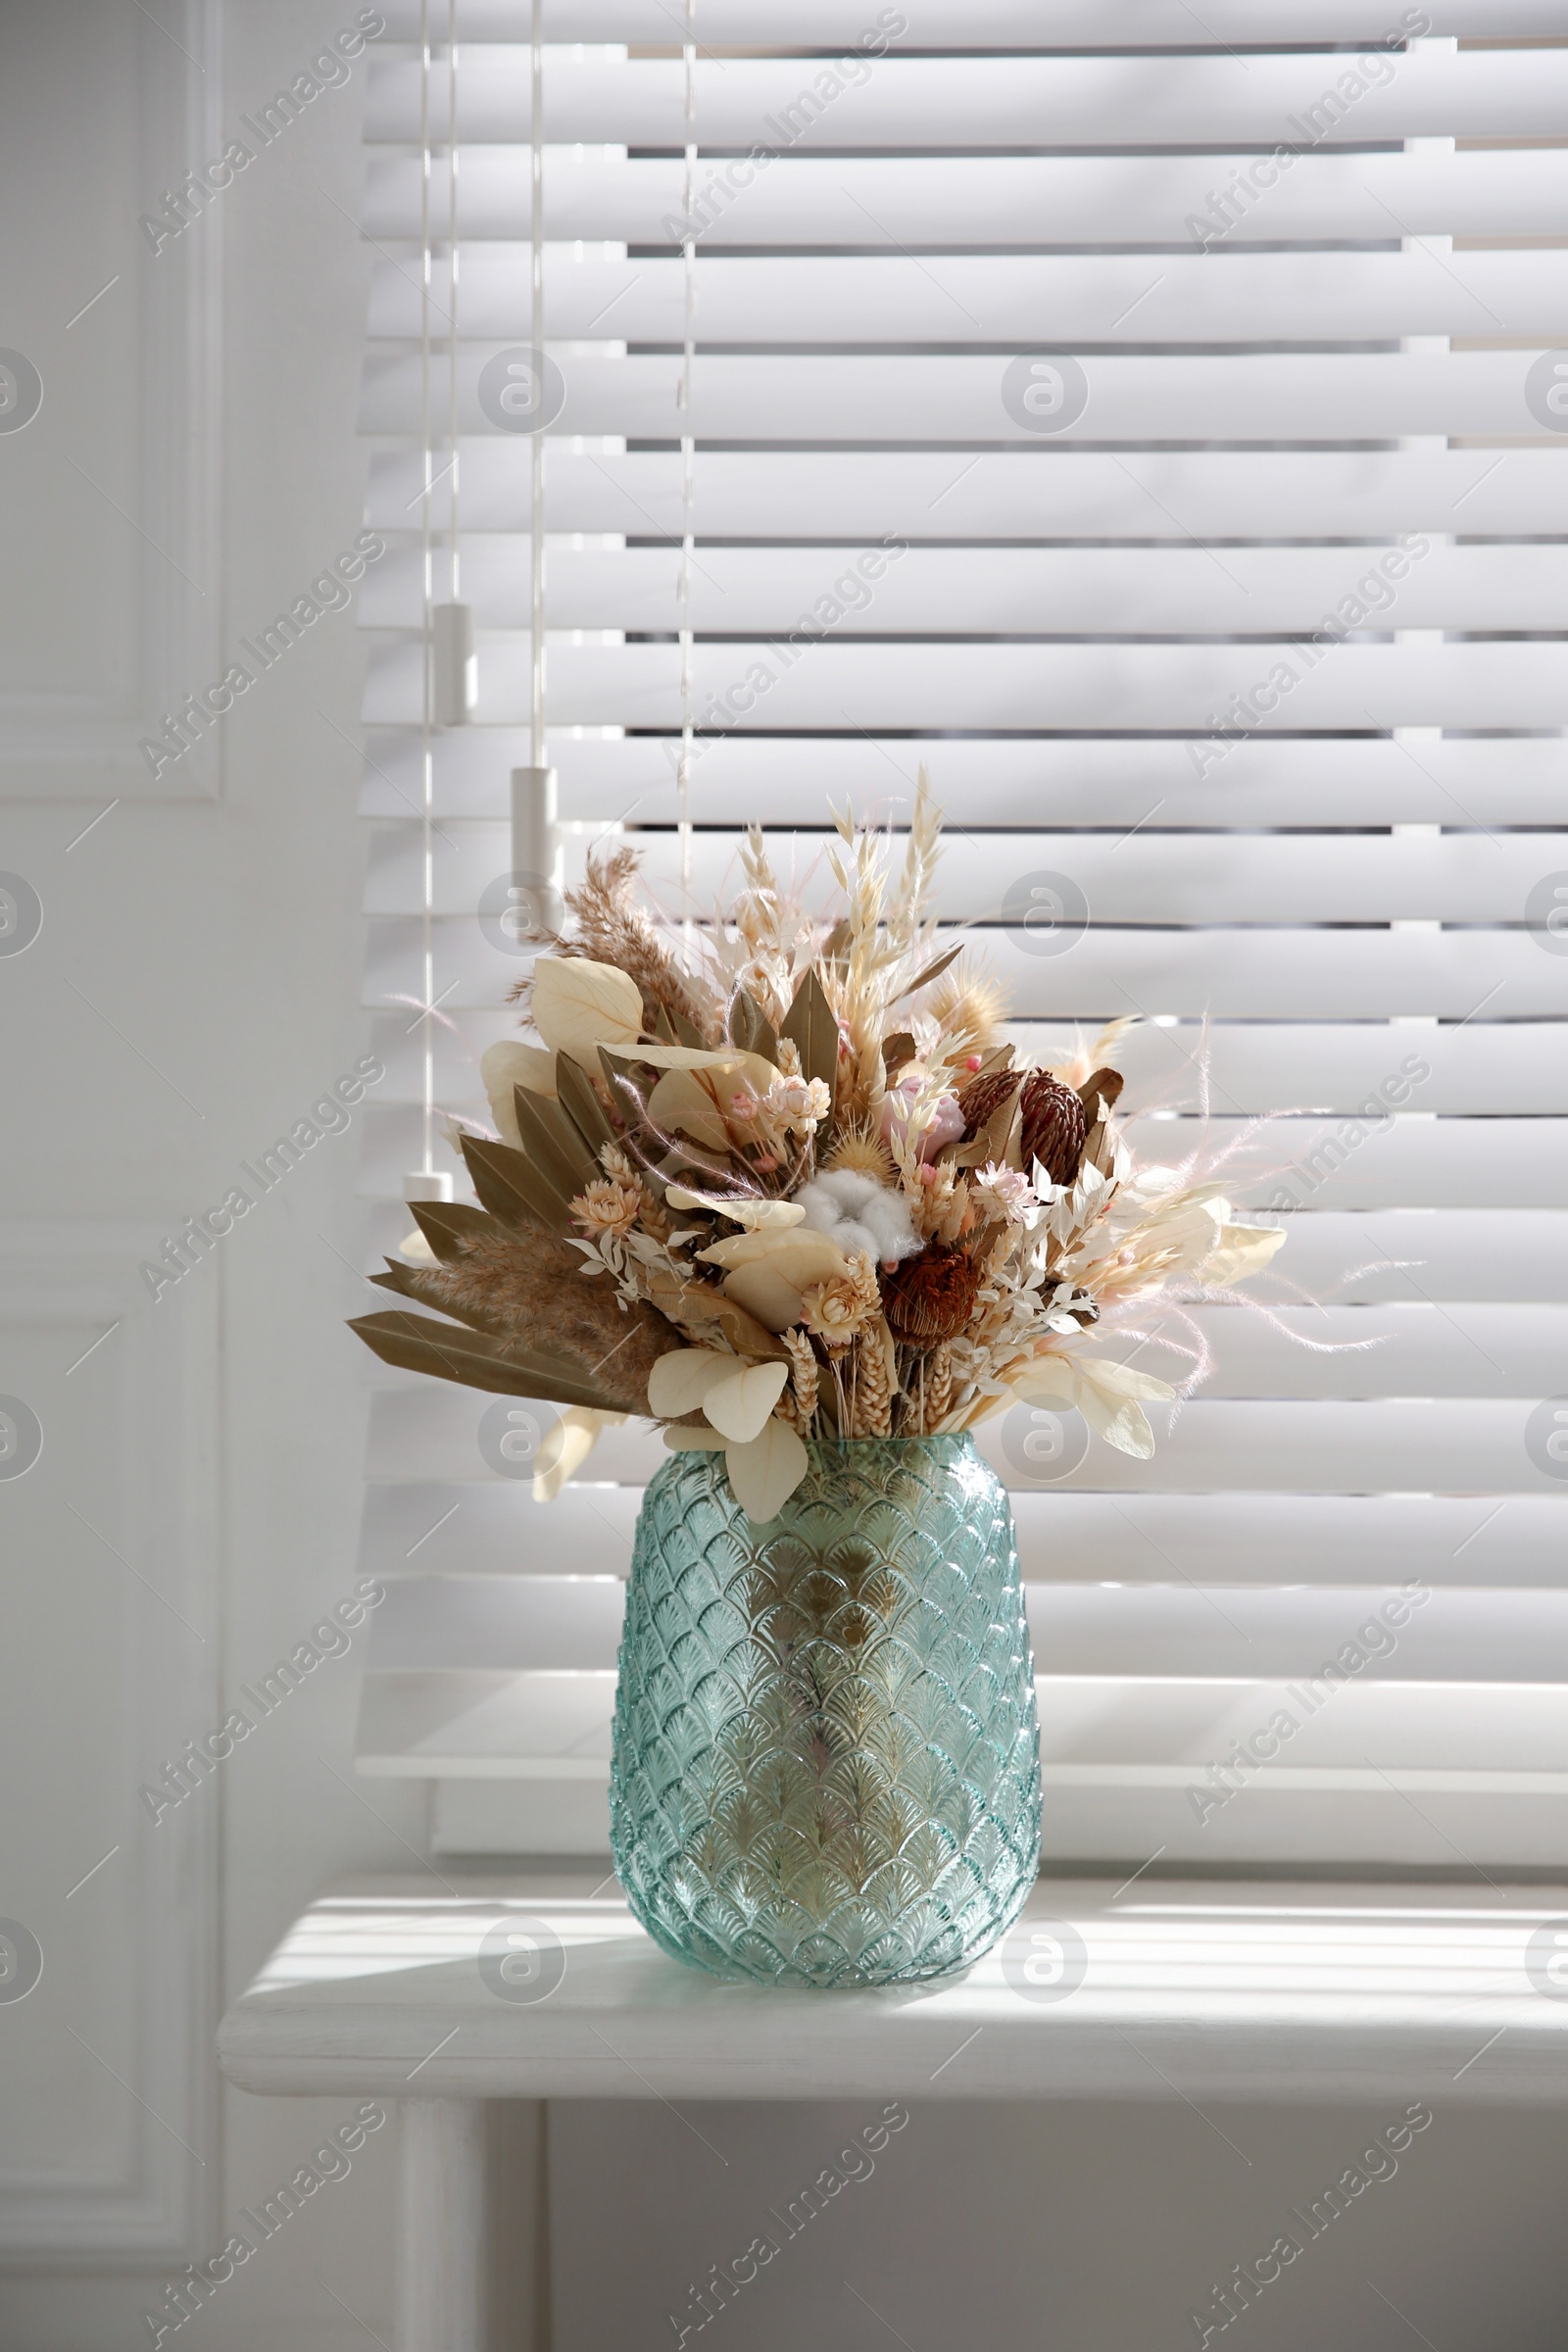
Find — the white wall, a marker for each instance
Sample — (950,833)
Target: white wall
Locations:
(194,987)
(215,944)
(1097,2227)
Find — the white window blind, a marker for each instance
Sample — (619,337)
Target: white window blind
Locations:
(1151,424)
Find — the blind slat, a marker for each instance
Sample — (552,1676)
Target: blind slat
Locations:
(987,23)
(559,1625)
(1017,102)
(996,201)
(1519,1163)
(1079,780)
(1398,1446)
(1284,973)
(1479,1069)
(999,591)
(791,397)
(1094,299)
(1050,493)
(491,1527)
(1250,878)
(945,687)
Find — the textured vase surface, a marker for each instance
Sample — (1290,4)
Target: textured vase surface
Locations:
(826,1765)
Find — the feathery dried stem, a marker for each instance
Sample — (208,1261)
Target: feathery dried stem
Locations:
(611,928)
(530,1291)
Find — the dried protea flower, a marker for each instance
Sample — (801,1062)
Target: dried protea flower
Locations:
(983,1097)
(930,1298)
(1052,1127)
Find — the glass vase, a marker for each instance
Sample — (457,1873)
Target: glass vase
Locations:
(826,1761)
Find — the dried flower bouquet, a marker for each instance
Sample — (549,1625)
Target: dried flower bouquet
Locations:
(772,1179)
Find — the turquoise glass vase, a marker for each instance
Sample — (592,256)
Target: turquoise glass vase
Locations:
(826,1762)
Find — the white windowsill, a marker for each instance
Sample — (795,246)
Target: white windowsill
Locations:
(1242,1990)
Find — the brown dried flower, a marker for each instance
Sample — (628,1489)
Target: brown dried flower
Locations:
(930,1298)
(1052,1127)
(1052,1123)
(983,1096)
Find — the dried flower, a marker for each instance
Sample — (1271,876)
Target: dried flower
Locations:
(859,1214)
(984,1096)
(931,1296)
(938,1200)
(608,1206)
(799,1104)
(1003,1196)
(916,1109)
(836,1309)
(1053,1126)
(862,1153)
(612,929)
(967,1003)
(603,1261)
(938,1384)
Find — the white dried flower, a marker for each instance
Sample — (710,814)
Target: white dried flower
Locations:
(799,1103)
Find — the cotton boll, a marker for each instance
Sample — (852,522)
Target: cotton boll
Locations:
(821,1204)
(858,1214)
(853,1238)
(888,1216)
(829,1200)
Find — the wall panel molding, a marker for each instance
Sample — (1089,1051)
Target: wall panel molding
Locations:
(113,1544)
(156,338)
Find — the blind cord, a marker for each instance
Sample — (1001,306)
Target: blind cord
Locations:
(536,337)
(688,461)
(427,647)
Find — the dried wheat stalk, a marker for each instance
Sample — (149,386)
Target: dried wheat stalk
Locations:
(873,1391)
(803,1374)
(936,1389)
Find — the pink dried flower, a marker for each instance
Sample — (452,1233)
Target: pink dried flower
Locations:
(943,1124)
(1003,1196)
